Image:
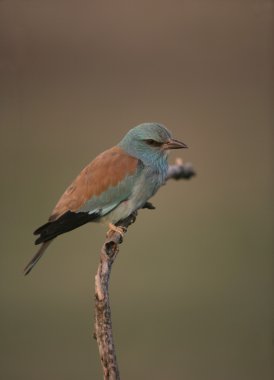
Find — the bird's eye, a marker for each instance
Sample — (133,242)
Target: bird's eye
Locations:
(154,143)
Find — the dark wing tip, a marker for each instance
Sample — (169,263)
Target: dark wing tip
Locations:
(65,223)
(40,229)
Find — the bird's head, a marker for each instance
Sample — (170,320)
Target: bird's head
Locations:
(149,142)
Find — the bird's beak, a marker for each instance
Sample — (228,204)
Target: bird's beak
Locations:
(174,144)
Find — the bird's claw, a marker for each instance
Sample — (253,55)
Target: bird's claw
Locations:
(112,228)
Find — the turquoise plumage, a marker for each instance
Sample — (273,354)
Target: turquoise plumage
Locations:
(116,183)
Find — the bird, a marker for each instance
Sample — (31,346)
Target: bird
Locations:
(116,183)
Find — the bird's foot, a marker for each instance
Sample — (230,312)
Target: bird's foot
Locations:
(113,228)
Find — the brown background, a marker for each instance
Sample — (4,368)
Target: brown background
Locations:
(191,289)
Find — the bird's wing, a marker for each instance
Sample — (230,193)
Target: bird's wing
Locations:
(100,186)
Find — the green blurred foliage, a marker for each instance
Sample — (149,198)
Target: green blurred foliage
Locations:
(191,290)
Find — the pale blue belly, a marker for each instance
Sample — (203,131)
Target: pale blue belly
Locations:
(145,187)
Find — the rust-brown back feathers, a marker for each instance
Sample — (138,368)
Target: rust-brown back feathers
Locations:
(106,170)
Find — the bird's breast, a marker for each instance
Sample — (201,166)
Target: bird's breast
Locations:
(145,186)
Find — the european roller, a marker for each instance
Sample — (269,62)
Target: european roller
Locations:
(116,183)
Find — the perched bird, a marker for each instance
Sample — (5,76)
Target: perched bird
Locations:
(116,183)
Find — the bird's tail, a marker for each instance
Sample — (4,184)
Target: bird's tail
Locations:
(37,257)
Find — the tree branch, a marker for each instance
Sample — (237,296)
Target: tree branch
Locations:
(103,324)
(180,170)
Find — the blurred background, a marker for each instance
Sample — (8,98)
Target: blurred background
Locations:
(191,290)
